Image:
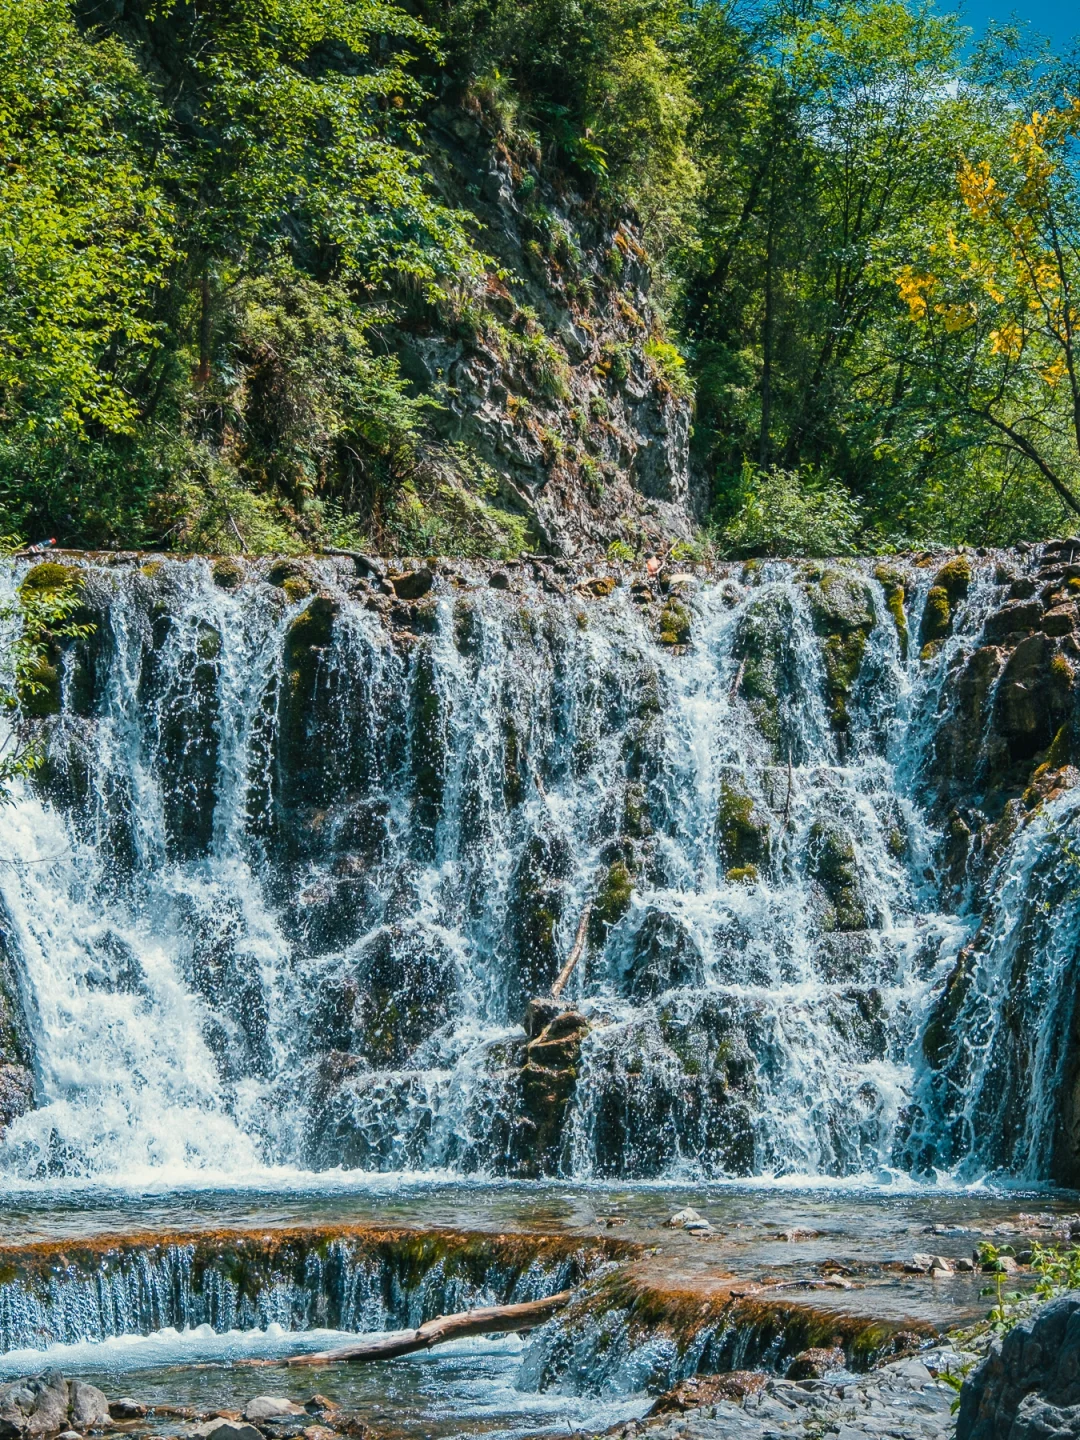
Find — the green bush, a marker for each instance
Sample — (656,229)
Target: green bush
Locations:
(780,513)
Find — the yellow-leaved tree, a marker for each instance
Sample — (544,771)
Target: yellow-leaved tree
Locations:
(994,296)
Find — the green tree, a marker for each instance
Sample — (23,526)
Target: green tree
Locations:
(994,299)
(823,130)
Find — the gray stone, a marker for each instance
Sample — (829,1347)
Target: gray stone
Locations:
(1029,1384)
(34,1406)
(1036,1419)
(88,1408)
(233,1430)
(265,1407)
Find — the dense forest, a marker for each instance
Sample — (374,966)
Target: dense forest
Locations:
(219,217)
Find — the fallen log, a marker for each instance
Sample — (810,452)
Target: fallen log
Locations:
(486,1320)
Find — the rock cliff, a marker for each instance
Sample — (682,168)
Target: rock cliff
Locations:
(555,371)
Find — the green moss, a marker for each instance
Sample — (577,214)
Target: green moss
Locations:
(227,573)
(613,897)
(744,836)
(937,616)
(581,620)
(843,617)
(296,588)
(892,582)
(955,577)
(832,862)
(50,578)
(742,874)
(1061,668)
(1060,750)
(674,623)
(842,656)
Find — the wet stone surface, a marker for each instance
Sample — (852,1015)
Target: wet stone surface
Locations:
(902,1401)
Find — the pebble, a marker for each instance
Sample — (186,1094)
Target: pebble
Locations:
(688,1219)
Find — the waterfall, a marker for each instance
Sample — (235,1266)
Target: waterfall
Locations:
(300,858)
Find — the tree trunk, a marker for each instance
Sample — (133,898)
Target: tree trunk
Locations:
(202,376)
(487,1320)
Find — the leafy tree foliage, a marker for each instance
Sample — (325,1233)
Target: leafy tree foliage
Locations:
(866,247)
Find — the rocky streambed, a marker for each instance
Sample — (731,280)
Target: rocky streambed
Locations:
(672,1306)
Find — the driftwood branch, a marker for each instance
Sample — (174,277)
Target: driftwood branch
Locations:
(738,680)
(575,954)
(487,1320)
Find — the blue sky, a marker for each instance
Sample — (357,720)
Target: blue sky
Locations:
(1059,19)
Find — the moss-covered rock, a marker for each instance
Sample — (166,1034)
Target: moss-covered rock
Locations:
(892,582)
(227,573)
(50,577)
(675,623)
(403,986)
(936,620)
(950,586)
(613,895)
(548,1082)
(636,819)
(536,904)
(297,588)
(954,578)
(429,716)
(833,863)
(767,663)
(663,956)
(742,831)
(842,607)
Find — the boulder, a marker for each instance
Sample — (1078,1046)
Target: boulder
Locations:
(412,584)
(35,1406)
(1028,1387)
(1029,706)
(232,1430)
(401,987)
(742,828)
(88,1409)
(664,956)
(267,1407)
(842,607)
(816,1363)
(127,1409)
(833,862)
(16,1093)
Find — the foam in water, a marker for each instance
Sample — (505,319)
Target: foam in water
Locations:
(221,875)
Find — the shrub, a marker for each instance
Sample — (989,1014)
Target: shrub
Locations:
(669,367)
(783,513)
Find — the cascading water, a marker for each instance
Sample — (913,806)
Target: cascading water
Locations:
(297,867)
